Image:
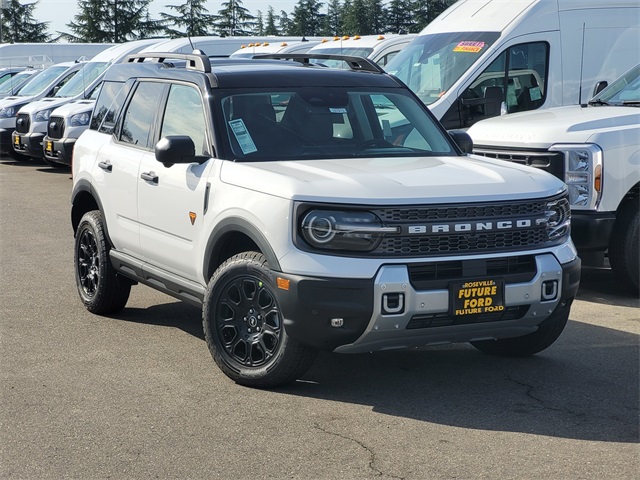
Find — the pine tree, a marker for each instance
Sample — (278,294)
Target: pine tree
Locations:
(234,19)
(355,18)
(270,27)
(18,25)
(399,17)
(376,16)
(259,27)
(306,18)
(192,16)
(333,20)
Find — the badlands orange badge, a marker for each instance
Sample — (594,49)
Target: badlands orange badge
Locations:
(192,216)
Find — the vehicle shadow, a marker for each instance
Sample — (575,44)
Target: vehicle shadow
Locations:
(585,386)
(599,285)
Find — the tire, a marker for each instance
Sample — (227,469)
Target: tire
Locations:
(547,333)
(624,248)
(101,289)
(244,328)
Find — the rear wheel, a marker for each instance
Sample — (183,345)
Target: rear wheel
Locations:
(101,289)
(624,248)
(547,333)
(244,327)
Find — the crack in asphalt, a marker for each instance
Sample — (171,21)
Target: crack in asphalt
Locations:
(372,455)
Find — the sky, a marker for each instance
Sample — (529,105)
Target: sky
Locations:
(61,12)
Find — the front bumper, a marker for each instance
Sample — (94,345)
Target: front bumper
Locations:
(28,143)
(426,316)
(591,231)
(58,150)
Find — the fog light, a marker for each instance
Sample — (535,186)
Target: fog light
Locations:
(337,322)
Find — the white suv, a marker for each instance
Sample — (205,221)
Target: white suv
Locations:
(311,208)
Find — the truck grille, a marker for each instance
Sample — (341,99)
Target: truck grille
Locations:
(55,127)
(552,162)
(444,319)
(23,121)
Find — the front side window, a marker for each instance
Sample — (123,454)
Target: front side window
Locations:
(138,118)
(184,115)
(324,123)
(514,82)
(431,64)
(110,99)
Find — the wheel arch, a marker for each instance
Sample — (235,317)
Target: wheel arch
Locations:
(235,235)
(632,195)
(83,200)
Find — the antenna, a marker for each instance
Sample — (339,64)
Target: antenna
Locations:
(584,26)
(191,43)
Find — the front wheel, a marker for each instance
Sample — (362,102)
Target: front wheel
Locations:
(101,289)
(244,327)
(624,248)
(547,333)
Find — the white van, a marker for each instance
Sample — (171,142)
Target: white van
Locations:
(35,115)
(14,54)
(379,48)
(262,48)
(214,46)
(481,58)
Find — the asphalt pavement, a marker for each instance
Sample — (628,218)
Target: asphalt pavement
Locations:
(137,395)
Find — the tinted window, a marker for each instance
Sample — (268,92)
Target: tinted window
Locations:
(140,113)
(184,115)
(112,95)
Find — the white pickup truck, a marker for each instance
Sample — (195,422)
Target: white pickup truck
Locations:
(595,149)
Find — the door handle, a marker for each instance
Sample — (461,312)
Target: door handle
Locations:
(149,177)
(105,166)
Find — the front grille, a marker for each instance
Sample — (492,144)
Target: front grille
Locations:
(445,320)
(459,229)
(55,127)
(23,121)
(438,275)
(552,162)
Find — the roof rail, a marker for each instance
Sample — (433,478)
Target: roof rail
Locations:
(195,61)
(354,63)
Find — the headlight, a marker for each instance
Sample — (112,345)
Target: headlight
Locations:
(43,115)
(8,112)
(80,119)
(583,174)
(342,230)
(558,214)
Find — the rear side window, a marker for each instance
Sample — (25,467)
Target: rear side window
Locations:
(107,106)
(140,113)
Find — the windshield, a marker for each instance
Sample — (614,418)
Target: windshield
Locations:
(40,81)
(15,81)
(624,91)
(87,74)
(311,123)
(431,64)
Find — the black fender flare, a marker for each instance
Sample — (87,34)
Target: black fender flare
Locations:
(84,186)
(241,225)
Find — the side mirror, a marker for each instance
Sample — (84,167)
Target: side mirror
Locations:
(599,87)
(463,140)
(174,149)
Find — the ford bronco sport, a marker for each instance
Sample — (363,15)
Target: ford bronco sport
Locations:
(307,208)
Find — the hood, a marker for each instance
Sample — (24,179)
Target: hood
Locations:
(393,181)
(12,101)
(73,108)
(542,128)
(44,104)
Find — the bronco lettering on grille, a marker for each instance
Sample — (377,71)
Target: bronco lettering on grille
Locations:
(451,227)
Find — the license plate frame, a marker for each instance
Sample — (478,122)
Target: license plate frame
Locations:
(16,141)
(48,147)
(477,297)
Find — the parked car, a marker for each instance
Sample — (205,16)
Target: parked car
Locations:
(595,149)
(377,48)
(261,48)
(10,85)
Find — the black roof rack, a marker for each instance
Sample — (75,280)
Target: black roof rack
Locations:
(195,61)
(355,63)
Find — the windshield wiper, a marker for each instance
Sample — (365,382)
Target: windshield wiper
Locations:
(598,102)
(631,102)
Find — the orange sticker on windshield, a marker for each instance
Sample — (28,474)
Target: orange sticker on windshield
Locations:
(470,47)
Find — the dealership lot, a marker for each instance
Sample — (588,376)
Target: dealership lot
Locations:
(137,395)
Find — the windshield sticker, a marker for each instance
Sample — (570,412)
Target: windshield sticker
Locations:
(469,47)
(242,136)
(338,110)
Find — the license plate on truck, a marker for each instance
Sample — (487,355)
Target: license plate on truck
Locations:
(48,147)
(476,297)
(16,141)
